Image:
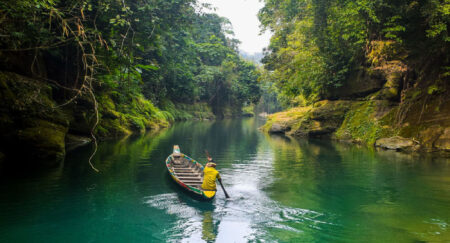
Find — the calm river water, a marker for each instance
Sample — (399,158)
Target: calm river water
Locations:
(282,190)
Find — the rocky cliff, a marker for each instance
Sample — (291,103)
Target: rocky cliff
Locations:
(37,129)
(389,105)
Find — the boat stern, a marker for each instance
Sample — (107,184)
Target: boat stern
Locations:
(209,194)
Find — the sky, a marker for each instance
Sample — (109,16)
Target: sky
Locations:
(243,16)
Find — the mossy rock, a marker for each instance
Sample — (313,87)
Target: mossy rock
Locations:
(82,121)
(113,128)
(391,89)
(282,122)
(397,143)
(443,141)
(22,97)
(31,121)
(365,122)
(44,140)
(317,120)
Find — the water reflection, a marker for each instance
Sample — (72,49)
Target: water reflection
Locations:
(209,232)
(363,194)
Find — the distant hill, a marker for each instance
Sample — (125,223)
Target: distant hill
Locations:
(254,57)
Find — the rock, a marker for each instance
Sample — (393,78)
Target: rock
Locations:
(317,120)
(397,143)
(360,84)
(393,72)
(263,114)
(82,121)
(443,142)
(429,136)
(324,118)
(32,128)
(278,128)
(44,142)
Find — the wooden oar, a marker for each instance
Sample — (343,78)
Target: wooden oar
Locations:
(220,181)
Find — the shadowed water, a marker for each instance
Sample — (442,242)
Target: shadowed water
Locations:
(282,190)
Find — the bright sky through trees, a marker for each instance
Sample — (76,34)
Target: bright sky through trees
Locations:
(243,16)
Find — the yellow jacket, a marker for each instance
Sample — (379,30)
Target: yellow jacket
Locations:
(209,178)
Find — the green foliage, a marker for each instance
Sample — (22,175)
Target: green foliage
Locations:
(139,53)
(317,44)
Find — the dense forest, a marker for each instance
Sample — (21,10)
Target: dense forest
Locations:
(73,71)
(373,72)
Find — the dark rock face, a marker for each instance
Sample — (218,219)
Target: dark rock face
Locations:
(359,85)
(443,142)
(28,121)
(2,157)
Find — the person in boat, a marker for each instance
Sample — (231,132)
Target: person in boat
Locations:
(210,174)
(178,159)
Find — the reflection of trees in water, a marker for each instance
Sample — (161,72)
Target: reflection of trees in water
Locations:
(227,140)
(377,189)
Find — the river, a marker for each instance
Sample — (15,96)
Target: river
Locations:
(282,190)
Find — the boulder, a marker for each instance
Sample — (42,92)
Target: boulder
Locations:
(397,143)
(44,142)
(278,128)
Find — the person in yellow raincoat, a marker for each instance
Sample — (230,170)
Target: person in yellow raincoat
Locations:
(210,174)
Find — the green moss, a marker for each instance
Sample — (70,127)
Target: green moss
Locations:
(292,118)
(113,128)
(46,138)
(361,125)
(136,123)
(121,115)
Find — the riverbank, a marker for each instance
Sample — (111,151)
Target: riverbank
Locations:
(46,120)
(388,106)
(373,122)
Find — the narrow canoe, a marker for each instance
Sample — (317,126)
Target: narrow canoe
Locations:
(187,173)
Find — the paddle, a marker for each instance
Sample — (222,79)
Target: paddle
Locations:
(220,181)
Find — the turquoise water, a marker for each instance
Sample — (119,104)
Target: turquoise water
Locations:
(282,190)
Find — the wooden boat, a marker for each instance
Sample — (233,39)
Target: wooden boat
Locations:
(187,173)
